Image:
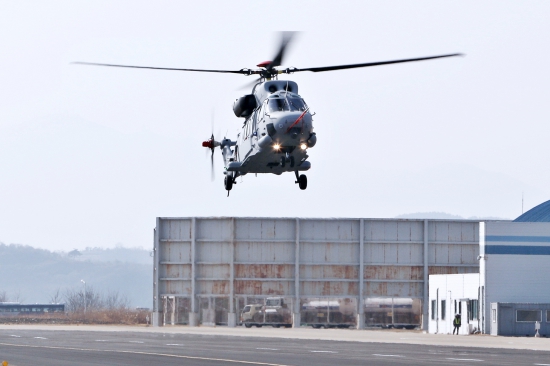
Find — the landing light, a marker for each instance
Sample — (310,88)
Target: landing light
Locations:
(303,146)
(276,146)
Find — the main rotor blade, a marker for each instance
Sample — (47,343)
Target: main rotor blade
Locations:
(368,64)
(278,59)
(242,71)
(250,84)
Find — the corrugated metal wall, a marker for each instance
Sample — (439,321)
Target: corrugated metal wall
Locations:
(508,322)
(305,258)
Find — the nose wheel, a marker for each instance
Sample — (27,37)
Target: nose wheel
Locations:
(301,180)
(228,183)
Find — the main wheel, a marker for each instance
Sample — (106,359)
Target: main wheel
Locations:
(283,161)
(302,182)
(228,182)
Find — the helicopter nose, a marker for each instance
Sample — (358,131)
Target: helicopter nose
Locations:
(286,123)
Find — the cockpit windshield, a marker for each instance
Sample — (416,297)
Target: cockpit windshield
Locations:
(289,103)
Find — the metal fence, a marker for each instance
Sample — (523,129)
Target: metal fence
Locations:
(207,268)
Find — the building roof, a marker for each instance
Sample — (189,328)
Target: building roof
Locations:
(540,213)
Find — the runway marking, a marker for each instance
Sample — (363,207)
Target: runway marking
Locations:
(542,364)
(268,349)
(40,338)
(377,354)
(174,344)
(148,354)
(464,359)
(135,342)
(16,336)
(101,340)
(323,351)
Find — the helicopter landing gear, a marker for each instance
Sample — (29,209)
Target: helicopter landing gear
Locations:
(228,183)
(287,159)
(301,180)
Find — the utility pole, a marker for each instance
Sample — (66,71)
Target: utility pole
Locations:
(85,299)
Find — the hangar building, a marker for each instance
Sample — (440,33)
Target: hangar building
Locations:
(207,269)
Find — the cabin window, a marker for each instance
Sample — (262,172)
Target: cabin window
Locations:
(528,315)
(272,302)
(247,128)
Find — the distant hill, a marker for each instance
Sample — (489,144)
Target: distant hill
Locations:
(118,254)
(34,275)
(443,216)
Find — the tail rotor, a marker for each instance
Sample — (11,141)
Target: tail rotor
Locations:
(211,144)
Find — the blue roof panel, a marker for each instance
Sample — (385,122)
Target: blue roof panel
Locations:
(540,213)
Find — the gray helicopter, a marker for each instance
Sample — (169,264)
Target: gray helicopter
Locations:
(278,126)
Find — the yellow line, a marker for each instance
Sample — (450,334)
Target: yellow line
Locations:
(148,353)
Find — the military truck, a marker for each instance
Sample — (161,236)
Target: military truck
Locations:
(275,312)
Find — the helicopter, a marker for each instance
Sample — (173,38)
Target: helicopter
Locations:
(278,124)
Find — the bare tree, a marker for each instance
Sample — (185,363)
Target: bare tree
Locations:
(113,300)
(78,300)
(94,300)
(3,296)
(17,297)
(55,298)
(74,301)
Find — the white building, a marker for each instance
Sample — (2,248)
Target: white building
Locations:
(514,269)
(451,295)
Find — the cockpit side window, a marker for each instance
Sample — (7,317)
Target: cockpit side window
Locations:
(297,104)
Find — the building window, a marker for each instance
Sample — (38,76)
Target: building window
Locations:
(528,315)
(494,315)
(443,309)
(434,309)
(473,309)
(548,315)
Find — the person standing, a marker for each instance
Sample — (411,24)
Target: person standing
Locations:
(456,323)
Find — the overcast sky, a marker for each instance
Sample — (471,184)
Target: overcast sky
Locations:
(89,156)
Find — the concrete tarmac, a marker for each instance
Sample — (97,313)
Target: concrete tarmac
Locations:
(47,345)
(350,335)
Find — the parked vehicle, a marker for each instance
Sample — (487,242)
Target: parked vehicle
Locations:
(274,312)
(328,314)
